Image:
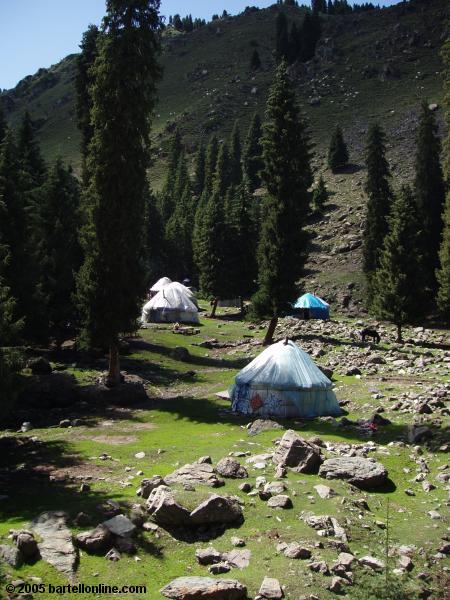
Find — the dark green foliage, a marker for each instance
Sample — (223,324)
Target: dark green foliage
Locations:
(235,156)
(429,193)
(295,43)
(397,295)
(156,260)
(443,273)
(60,249)
(379,195)
(29,154)
(318,6)
(376,587)
(200,166)
(255,61)
(3,125)
(320,195)
(83,82)
(287,175)
(281,37)
(223,174)
(311,31)
(337,151)
(166,202)
(252,155)
(110,282)
(211,163)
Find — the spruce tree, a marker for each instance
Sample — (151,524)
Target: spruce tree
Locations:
(379,199)
(166,200)
(3,125)
(110,282)
(320,195)
(281,37)
(397,297)
(255,60)
(223,175)
(295,44)
(235,156)
(252,154)
(199,178)
(287,175)
(83,83)
(310,35)
(29,153)
(430,194)
(60,249)
(337,151)
(443,272)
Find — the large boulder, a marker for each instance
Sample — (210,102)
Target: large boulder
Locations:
(297,453)
(228,467)
(26,544)
(216,509)
(263,425)
(39,366)
(148,485)
(97,541)
(121,526)
(270,589)
(204,588)
(195,474)
(55,545)
(11,555)
(361,472)
(165,510)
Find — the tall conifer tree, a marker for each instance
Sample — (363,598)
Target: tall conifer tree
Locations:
(430,194)
(235,156)
(287,175)
(252,154)
(199,179)
(379,194)
(281,37)
(397,297)
(3,125)
(337,151)
(111,279)
(166,200)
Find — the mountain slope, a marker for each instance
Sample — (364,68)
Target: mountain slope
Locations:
(369,66)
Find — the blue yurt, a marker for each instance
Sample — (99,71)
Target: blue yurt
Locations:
(313,307)
(283,381)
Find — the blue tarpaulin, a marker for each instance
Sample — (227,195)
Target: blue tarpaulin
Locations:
(283,381)
(318,308)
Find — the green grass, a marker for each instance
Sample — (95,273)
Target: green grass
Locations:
(183,422)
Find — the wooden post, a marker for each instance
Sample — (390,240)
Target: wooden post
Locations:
(113,378)
(399,333)
(270,331)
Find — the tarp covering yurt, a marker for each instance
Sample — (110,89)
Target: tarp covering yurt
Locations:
(174,303)
(316,307)
(283,381)
(159,285)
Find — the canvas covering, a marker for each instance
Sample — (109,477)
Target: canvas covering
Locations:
(160,284)
(283,381)
(318,308)
(174,303)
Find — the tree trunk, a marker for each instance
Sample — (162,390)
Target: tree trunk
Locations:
(242,306)
(270,331)
(214,308)
(113,377)
(399,334)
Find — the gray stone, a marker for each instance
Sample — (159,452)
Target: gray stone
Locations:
(205,459)
(238,542)
(208,556)
(216,509)
(245,487)
(195,474)
(98,540)
(218,568)
(238,558)
(204,588)
(274,487)
(121,526)
(319,567)
(324,491)
(374,563)
(336,585)
(228,467)
(346,559)
(353,371)
(263,425)
(113,555)
(280,501)
(148,485)
(358,471)
(271,589)
(11,555)
(165,510)
(404,562)
(56,546)
(295,550)
(26,544)
(39,366)
(297,453)
(418,433)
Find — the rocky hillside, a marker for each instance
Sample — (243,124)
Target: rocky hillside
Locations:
(369,66)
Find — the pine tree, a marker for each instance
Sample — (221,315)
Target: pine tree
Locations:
(83,82)
(166,201)
(60,249)
(235,156)
(252,154)
(397,296)
(155,252)
(281,37)
(320,195)
(110,282)
(295,44)
(200,166)
(29,154)
(443,273)
(379,195)
(287,176)
(337,151)
(310,35)
(430,194)
(223,174)
(3,125)
(255,60)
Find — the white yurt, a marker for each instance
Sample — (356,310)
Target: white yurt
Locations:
(173,304)
(159,285)
(283,381)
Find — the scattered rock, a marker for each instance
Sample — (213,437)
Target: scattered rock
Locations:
(121,526)
(263,425)
(271,589)
(39,366)
(217,509)
(56,545)
(219,568)
(346,559)
(238,542)
(228,467)
(297,453)
(280,501)
(208,556)
(404,562)
(245,487)
(96,541)
(324,491)
(353,371)
(11,555)
(295,550)
(196,474)
(164,509)
(372,562)
(336,585)
(148,485)
(237,558)
(418,433)
(361,472)
(27,545)
(113,555)
(204,588)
